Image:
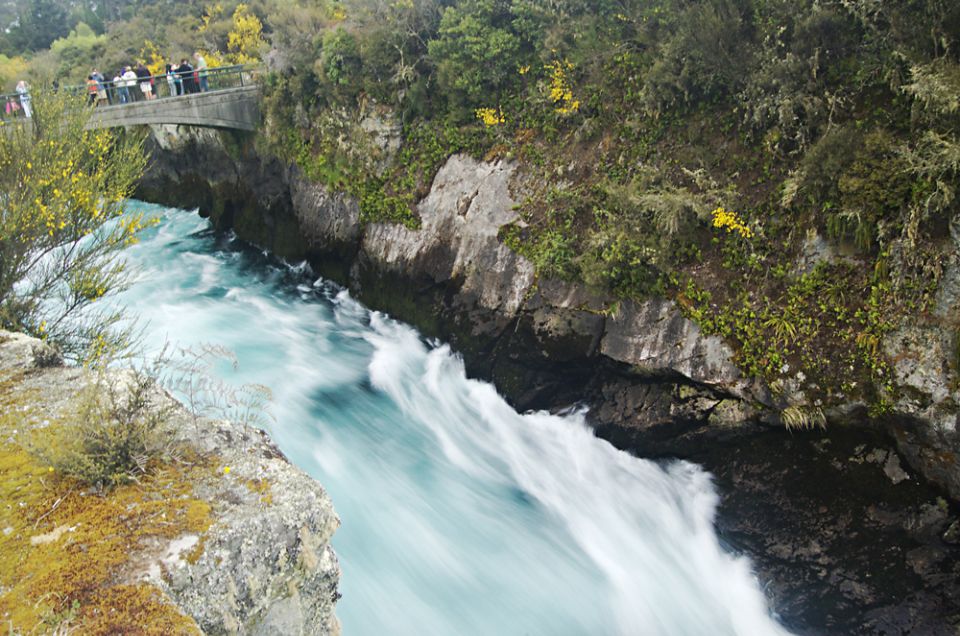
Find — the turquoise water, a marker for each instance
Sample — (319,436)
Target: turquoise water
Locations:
(459,515)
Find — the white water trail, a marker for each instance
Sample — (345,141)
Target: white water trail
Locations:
(648,529)
(460,516)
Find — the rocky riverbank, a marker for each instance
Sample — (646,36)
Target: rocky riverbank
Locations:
(230,538)
(846,535)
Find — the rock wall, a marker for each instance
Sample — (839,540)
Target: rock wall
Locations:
(656,385)
(543,342)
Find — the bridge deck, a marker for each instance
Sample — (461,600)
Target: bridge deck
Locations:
(235,108)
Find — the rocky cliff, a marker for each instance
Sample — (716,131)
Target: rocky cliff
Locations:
(229,538)
(655,383)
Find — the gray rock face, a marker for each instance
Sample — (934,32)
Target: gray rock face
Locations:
(265,565)
(327,219)
(466,207)
(454,279)
(385,133)
(948,295)
(654,337)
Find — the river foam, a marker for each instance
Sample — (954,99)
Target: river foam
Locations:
(460,515)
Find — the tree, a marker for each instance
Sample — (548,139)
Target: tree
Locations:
(245,39)
(477,51)
(63,222)
(39,23)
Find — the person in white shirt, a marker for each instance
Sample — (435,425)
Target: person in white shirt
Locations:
(24,92)
(121,89)
(201,69)
(129,81)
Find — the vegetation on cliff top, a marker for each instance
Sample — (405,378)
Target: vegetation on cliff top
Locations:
(62,225)
(785,170)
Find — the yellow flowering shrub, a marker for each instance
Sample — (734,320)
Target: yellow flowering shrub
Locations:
(246,37)
(151,56)
(731,222)
(490,116)
(63,222)
(211,13)
(561,92)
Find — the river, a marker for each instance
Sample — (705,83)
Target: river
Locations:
(460,516)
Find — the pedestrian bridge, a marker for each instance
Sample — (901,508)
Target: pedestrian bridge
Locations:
(236,108)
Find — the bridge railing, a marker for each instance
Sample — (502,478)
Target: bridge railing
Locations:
(171,85)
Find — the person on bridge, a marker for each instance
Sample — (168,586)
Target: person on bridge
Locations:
(201,71)
(185,71)
(119,89)
(91,90)
(129,81)
(146,81)
(24,92)
(101,87)
(173,81)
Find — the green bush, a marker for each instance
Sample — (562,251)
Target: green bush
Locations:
(704,58)
(477,52)
(119,428)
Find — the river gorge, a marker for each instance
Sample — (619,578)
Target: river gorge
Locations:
(852,530)
(460,515)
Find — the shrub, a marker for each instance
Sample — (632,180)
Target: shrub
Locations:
(704,57)
(477,52)
(119,429)
(63,223)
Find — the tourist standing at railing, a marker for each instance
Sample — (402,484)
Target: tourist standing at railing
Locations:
(172,80)
(91,90)
(24,92)
(129,81)
(101,87)
(185,71)
(119,88)
(143,76)
(201,71)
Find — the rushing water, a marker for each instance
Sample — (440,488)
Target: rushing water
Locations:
(460,516)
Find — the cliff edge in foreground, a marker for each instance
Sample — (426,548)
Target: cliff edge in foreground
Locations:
(224,536)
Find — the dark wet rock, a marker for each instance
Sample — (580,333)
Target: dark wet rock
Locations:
(951,535)
(840,548)
(844,534)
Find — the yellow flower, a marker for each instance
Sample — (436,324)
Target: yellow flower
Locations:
(731,222)
(490,116)
(226,470)
(561,92)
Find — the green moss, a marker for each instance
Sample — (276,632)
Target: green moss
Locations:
(65,553)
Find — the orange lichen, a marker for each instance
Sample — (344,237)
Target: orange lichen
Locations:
(64,552)
(109,612)
(262,488)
